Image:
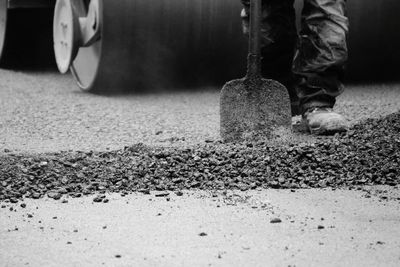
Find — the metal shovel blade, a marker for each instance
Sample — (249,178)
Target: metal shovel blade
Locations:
(254,109)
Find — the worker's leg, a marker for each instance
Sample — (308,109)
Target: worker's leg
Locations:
(322,53)
(279,38)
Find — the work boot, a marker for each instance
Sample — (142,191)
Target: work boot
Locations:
(324,121)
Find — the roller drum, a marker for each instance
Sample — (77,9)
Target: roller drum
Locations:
(3,26)
(374,40)
(161,44)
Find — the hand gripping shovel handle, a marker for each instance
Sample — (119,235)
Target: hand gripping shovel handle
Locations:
(254,57)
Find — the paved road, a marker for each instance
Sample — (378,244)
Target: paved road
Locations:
(47,112)
(318,228)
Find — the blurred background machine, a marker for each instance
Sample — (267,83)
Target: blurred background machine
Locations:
(140,45)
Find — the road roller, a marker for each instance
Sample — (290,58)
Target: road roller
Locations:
(141,45)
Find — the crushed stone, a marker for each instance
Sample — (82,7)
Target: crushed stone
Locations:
(368,154)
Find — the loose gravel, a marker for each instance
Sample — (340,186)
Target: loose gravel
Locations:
(368,154)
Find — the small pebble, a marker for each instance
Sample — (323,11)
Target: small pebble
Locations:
(98,199)
(275,220)
(162,194)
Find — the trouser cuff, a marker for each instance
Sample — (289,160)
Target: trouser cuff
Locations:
(315,104)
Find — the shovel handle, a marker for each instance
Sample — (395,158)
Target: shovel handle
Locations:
(254,57)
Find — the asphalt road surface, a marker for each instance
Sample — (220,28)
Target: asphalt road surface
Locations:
(44,112)
(47,112)
(318,228)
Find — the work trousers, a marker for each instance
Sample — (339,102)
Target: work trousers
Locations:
(309,63)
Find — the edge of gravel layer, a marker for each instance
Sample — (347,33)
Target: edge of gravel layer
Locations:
(368,154)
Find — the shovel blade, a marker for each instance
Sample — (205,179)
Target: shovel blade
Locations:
(251,110)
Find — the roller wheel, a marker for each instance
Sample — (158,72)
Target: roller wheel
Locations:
(25,38)
(88,64)
(3,27)
(106,65)
(151,45)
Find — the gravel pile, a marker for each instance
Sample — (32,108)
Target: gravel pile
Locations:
(368,154)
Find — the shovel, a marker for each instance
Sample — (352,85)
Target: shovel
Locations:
(254,108)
